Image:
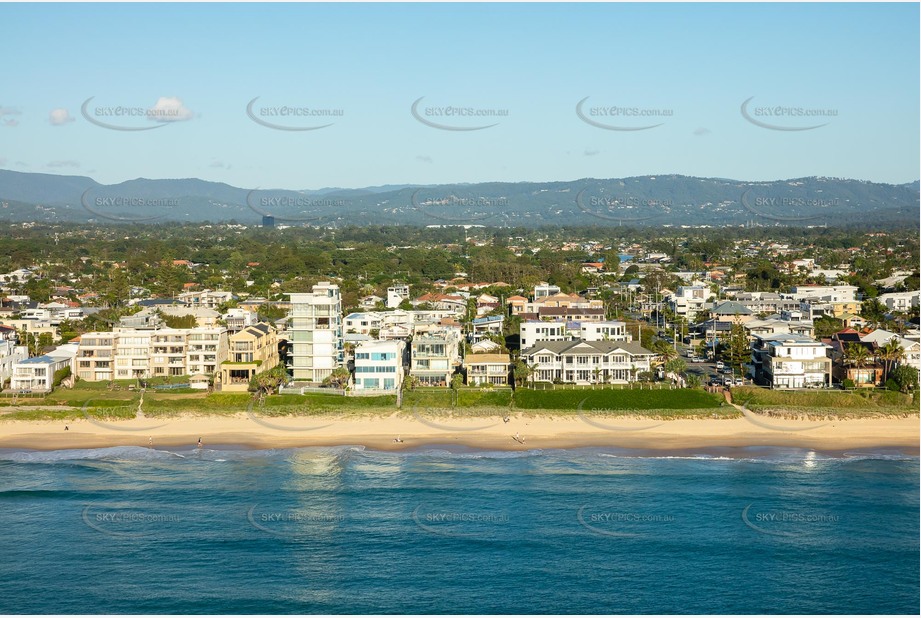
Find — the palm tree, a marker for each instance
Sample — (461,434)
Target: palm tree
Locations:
(890,354)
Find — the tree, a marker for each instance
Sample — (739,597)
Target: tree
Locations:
(738,352)
(890,354)
(338,378)
(906,377)
(268,381)
(522,371)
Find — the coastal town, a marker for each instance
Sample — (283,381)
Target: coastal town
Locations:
(685,313)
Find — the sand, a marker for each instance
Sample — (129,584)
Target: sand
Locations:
(417,430)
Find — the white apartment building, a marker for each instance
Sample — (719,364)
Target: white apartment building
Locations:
(829,293)
(128,354)
(900,301)
(208,299)
(379,365)
(788,360)
(10,354)
(37,374)
(588,362)
(315,332)
(689,300)
(543,290)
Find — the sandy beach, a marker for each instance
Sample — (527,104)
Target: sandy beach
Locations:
(520,432)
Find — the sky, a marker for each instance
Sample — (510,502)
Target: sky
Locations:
(553,91)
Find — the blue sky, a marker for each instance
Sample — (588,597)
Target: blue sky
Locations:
(694,65)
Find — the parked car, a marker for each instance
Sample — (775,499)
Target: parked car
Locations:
(727,381)
(719,364)
(740,381)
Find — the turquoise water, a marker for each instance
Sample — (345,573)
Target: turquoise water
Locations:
(348,530)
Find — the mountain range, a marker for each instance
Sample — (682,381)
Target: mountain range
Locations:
(637,201)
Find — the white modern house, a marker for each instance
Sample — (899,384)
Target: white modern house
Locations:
(37,374)
(434,356)
(588,362)
(910,349)
(788,360)
(315,332)
(379,365)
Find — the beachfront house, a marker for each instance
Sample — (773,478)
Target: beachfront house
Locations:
(379,365)
(789,360)
(487,369)
(434,356)
(587,362)
(37,374)
(252,350)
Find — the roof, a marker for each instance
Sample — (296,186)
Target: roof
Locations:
(479,359)
(603,347)
(731,308)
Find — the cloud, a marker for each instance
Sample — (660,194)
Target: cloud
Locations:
(220,164)
(590,153)
(702,131)
(66,163)
(424,159)
(11,122)
(2,160)
(169,109)
(59,116)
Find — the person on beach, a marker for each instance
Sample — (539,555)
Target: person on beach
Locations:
(199,443)
(150,441)
(66,428)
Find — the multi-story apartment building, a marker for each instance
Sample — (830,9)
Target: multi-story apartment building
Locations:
(379,365)
(831,293)
(127,354)
(252,350)
(10,353)
(209,299)
(788,360)
(434,356)
(315,332)
(588,362)
(900,301)
(688,300)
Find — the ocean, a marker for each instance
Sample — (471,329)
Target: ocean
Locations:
(348,530)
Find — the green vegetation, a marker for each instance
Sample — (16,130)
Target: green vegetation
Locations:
(866,401)
(619,399)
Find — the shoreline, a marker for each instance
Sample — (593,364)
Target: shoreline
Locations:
(482,433)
